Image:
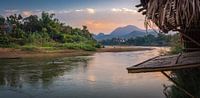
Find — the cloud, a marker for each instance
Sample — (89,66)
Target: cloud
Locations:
(27,13)
(51,11)
(79,10)
(102,20)
(88,10)
(11,11)
(123,10)
(91,11)
(100,26)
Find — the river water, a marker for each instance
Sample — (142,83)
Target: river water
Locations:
(101,75)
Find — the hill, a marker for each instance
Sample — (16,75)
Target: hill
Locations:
(126,32)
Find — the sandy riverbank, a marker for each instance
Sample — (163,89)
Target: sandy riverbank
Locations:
(9,53)
(122,49)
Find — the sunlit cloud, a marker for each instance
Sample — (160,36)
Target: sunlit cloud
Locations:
(100,26)
(123,10)
(102,20)
(64,11)
(79,10)
(91,11)
(27,13)
(116,10)
(88,10)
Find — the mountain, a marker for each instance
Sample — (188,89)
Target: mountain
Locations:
(99,36)
(126,32)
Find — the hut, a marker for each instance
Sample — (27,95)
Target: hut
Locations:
(173,15)
(176,15)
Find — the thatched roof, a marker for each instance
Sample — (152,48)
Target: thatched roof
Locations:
(169,15)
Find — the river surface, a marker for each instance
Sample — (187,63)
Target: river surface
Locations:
(101,75)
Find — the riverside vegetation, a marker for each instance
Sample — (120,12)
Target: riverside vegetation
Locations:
(147,40)
(45,32)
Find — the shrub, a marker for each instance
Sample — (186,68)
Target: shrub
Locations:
(77,46)
(176,46)
(29,48)
(4,41)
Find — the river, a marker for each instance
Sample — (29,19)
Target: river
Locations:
(101,75)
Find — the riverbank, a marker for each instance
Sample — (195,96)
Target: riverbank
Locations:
(122,49)
(11,53)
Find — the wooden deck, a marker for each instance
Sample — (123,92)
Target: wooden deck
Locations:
(167,63)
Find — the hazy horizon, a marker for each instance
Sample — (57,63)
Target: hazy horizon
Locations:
(101,16)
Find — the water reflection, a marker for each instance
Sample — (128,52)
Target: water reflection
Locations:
(102,75)
(14,73)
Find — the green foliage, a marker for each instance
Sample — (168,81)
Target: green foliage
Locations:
(77,46)
(45,31)
(4,41)
(187,79)
(2,20)
(148,40)
(29,48)
(176,46)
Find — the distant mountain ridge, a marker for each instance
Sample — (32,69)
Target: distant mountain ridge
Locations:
(125,30)
(129,31)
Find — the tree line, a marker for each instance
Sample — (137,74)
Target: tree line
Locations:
(43,31)
(148,40)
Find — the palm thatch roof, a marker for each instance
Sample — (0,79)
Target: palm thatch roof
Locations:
(177,15)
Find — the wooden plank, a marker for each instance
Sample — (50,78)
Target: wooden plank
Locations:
(158,69)
(167,63)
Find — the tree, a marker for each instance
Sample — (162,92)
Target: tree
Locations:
(2,20)
(2,24)
(32,24)
(15,19)
(15,22)
(67,29)
(86,32)
(46,30)
(51,24)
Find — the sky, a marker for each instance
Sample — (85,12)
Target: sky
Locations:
(101,16)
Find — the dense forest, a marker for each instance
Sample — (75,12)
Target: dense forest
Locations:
(148,40)
(43,32)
